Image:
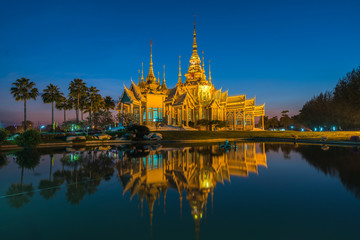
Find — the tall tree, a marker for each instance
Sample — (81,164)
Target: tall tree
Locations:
(95,102)
(64,104)
(23,89)
(51,95)
(285,120)
(77,90)
(274,122)
(109,103)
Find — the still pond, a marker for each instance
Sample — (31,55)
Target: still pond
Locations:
(249,191)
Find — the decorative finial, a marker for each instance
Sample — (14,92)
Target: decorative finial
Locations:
(164,72)
(163,86)
(158,80)
(164,75)
(151,63)
(151,77)
(194,43)
(151,48)
(142,72)
(179,81)
(139,78)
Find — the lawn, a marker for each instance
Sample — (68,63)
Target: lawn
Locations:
(199,135)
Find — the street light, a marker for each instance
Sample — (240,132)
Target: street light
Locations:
(42,127)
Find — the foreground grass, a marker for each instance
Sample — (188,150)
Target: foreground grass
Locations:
(199,135)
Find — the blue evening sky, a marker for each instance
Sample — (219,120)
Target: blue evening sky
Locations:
(282,52)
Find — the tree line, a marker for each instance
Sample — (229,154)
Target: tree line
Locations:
(339,107)
(81,98)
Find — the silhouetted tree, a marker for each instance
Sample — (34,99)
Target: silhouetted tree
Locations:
(109,103)
(64,104)
(78,92)
(24,90)
(51,95)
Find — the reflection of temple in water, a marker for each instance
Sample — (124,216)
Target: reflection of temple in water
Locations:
(195,170)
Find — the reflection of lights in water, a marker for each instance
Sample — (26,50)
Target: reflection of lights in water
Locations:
(325,147)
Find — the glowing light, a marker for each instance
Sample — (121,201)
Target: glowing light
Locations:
(42,127)
(315,129)
(302,129)
(321,129)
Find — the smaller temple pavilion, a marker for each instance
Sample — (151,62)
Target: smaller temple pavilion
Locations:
(151,101)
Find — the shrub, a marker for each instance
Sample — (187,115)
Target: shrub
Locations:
(139,130)
(3,135)
(47,137)
(11,129)
(77,140)
(28,139)
(90,138)
(72,126)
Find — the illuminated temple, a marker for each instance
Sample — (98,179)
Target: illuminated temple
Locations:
(194,171)
(150,100)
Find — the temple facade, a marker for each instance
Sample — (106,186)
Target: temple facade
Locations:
(151,101)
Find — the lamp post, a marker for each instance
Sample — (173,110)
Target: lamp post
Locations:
(41,127)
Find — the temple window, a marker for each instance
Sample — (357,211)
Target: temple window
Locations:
(160,114)
(150,114)
(155,114)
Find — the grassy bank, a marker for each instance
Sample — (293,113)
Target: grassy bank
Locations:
(198,135)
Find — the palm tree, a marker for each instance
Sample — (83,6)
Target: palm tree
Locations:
(24,90)
(109,103)
(51,95)
(77,89)
(94,101)
(64,104)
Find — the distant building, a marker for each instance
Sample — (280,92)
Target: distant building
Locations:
(151,101)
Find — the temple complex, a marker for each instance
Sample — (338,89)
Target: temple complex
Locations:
(151,101)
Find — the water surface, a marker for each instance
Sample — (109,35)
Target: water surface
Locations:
(252,191)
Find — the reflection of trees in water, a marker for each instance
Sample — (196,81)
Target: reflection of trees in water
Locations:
(3,160)
(20,193)
(27,159)
(86,174)
(285,148)
(82,172)
(339,162)
(49,186)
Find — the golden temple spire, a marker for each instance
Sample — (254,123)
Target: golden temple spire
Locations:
(194,43)
(203,66)
(163,86)
(209,73)
(151,77)
(142,72)
(139,78)
(179,81)
(151,63)
(158,80)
